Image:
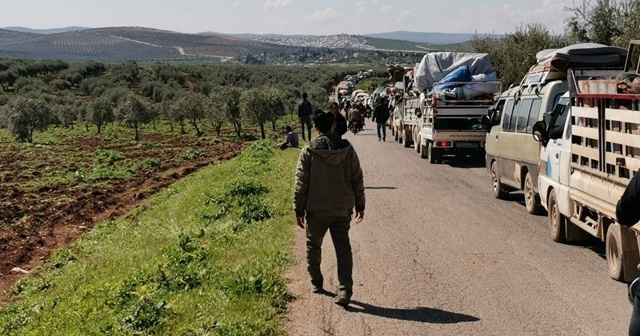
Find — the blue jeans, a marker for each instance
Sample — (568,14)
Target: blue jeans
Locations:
(305,121)
(382,126)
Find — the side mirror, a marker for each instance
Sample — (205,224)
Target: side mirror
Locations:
(486,122)
(540,133)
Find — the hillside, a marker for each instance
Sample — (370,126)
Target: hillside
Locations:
(428,37)
(126,43)
(45,31)
(390,44)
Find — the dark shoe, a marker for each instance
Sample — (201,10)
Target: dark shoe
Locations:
(383,139)
(316,287)
(379,139)
(633,290)
(344,298)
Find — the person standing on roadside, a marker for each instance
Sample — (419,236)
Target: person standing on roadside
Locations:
(628,214)
(380,116)
(340,124)
(329,184)
(304,114)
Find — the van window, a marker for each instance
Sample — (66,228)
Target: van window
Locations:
(507,112)
(523,115)
(514,115)
(534,114)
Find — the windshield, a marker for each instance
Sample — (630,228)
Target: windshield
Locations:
(459,124)
(560,111)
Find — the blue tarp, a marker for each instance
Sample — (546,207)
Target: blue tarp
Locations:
(461,74)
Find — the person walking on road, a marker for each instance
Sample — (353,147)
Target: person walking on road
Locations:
(329,184)
(340,124)
(628,214)
(304,114)
(380,116)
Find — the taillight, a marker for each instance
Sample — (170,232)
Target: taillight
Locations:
(443,143)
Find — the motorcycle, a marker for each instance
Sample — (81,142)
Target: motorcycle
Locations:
(355,126)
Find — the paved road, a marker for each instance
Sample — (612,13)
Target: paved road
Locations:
(438,255)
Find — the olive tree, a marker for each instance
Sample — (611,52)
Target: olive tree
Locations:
(133,113)
(215,112)
(27,115)
(192,106)
(253,109)
(101,112)
(231,95)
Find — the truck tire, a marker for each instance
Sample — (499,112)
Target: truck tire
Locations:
(423,150)
(433,155)
(557,222)
(614,253)
(531,198)
(405,139)
(498,189)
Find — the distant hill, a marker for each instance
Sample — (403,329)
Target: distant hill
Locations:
(430,38)
(389,44)
(118,44)
(45,31)
(259,36)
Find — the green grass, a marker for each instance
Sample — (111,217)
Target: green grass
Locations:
(204,257)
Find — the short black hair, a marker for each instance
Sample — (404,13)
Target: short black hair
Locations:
(288,128)
(304,95)
(335,104)
(323,121)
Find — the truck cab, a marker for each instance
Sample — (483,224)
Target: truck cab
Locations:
(588,152)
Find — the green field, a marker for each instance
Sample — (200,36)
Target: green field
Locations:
(204,257)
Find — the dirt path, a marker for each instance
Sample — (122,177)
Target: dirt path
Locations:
(438,255)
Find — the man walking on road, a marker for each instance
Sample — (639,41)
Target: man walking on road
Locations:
(380,116)
(340,121)
(304,113)
(328,185)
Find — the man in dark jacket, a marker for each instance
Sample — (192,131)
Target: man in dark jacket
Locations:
(380,116)
(340,124)
(328,186)
(628,214)
(304,114)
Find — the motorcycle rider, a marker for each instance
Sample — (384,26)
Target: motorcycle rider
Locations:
(356,115)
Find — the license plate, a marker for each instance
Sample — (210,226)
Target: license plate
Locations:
(466,145)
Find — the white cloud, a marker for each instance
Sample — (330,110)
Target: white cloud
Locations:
(322,15)
(361,6)
(277,4)
(238,5)
(385,8)
(549,13)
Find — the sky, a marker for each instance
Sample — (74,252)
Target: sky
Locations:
(290,16)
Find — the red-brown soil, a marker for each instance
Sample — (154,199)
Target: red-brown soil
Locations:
(44,207)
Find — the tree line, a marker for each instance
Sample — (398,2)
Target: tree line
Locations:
(41,94)
(608,22)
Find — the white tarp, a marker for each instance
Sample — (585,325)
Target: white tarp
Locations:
(593,54)
(435,66)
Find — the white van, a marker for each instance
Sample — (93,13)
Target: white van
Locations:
(511,152)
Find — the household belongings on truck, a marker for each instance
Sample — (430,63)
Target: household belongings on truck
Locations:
(396,72)
(552,64)
(438,71)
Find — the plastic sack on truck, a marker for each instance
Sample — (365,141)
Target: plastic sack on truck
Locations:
(481,85)
(435,66)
